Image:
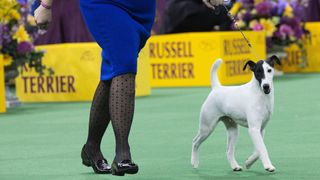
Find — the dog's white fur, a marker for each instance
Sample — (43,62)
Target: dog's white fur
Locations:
(246,105)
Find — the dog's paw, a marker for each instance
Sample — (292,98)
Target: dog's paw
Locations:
(270,168)
(248,164)
(239,168)
(195,164)
(194,160)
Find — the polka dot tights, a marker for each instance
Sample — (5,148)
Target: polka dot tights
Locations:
(113,100)
(122,98)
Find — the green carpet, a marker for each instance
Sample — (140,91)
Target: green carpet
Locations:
(43,141)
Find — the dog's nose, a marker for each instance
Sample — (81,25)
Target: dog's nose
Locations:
(266,87)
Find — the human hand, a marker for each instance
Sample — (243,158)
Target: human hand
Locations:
(212,3)
(43,14)
(305,3)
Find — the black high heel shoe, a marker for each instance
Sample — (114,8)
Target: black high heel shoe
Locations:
(124,167)
(100,167)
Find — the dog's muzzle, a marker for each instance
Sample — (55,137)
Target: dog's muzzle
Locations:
(266,88)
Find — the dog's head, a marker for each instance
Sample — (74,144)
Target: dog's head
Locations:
(263,72)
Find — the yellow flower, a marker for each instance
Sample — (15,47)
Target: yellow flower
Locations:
(254,12)
(252,23)
(14,14)
(288,11)
(268,26)
(292,38)
(31,20)
(241,24)
(7,60)
(235,8)
(7,8)
(276,20)
(21,34)
(7,4)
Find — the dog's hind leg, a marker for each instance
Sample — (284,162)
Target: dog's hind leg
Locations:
(206,127)
(232,129)
(253,157)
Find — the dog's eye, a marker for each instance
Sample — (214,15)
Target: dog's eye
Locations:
(269,70)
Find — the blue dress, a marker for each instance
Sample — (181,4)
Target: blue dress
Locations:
(121,28)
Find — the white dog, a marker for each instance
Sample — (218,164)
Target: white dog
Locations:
(249,105)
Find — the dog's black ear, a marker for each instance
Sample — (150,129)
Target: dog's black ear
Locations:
(251,64)
(273,59)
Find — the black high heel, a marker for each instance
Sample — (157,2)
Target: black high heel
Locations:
(124,167)
(100,167)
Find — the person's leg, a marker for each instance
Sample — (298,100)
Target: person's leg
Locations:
(122,98)
(99,119)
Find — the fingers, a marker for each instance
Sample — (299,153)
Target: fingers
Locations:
(42,17)
(219,2)
(208,4)
(212,3)
(43,26)
(305,3)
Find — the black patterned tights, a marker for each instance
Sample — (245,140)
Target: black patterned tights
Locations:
(112,100)
(122,96)
(99,120)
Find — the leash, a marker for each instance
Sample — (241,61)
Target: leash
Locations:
(239,29)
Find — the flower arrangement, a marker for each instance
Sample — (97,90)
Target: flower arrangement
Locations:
(17,33)
(281,20)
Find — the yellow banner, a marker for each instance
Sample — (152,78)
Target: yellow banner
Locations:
(2,92)
(313,47)
(294,62)
(186,59)
(76,75)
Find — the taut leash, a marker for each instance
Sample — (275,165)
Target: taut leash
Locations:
(243,35)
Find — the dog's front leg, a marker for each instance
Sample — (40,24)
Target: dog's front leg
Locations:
(255,134)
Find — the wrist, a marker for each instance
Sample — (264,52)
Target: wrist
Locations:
(46,3)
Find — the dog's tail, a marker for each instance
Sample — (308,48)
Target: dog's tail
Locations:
(214,75)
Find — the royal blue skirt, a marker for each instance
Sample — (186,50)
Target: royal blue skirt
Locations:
(121,28)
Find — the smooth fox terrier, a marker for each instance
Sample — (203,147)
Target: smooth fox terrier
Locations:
(249,105)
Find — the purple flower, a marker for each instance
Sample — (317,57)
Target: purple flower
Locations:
(1,35)
(257,27)
(281,6)
(247,16)
(269,42)
(298,32)
(277,34)
(24,47)
(247,4)
(6,34)
(23,2)
(298,10)
(246,1)
(265,8)
(286,30)
(293,22)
